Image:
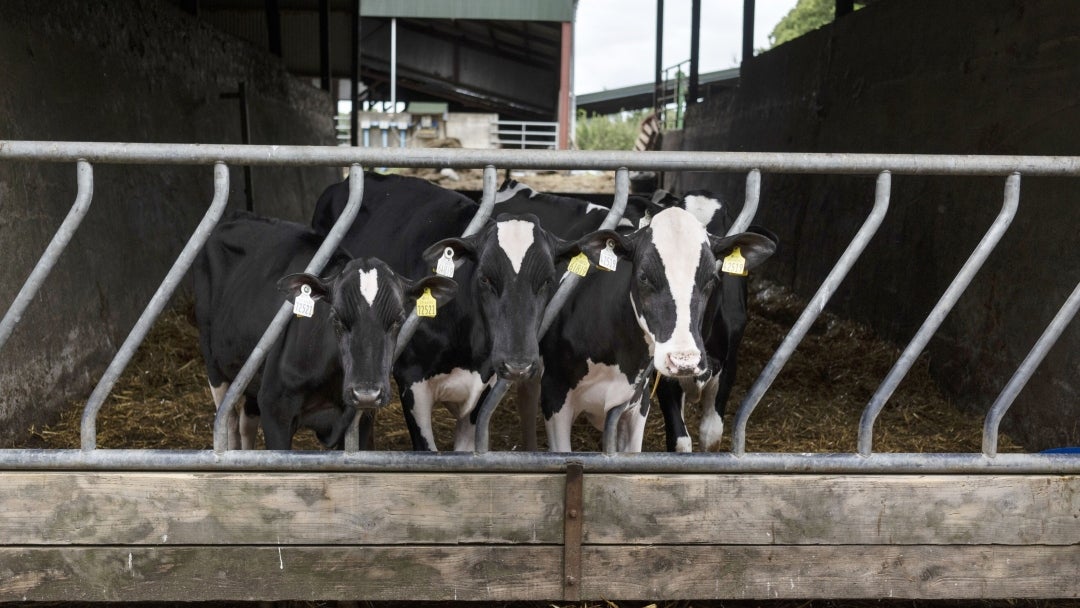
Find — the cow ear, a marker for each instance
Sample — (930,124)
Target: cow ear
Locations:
(461,248)
(755,248)
(442,288)
(593,243)
(291,285)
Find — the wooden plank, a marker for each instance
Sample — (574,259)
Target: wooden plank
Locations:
(819,509)
(828,572)
(174,574)
(278,508)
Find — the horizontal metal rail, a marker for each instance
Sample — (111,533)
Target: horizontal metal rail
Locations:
(752,163)
(735,162)
(535,462)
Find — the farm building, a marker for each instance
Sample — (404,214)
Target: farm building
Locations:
(915,161)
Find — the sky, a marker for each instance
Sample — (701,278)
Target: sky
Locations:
(615,40)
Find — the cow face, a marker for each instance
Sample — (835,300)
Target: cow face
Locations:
(368,303)
(512,280)
(674,272)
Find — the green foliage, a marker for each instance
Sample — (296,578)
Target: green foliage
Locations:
(808,15)
(612,132)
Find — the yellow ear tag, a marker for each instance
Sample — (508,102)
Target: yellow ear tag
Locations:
(734,263)
(579,264)
(425,304)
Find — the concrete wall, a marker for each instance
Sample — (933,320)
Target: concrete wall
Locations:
(995,77)
(137,71)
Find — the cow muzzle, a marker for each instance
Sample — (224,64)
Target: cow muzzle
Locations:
(682,364)
(367,397)
(516,370)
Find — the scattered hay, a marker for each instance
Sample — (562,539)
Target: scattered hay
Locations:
(162,401)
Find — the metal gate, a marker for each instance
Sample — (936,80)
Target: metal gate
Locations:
(218,524)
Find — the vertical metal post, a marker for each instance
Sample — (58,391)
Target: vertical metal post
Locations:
(354,113)
(245,138)
(156,305)
(565,89)
(817,304)
(324,45)
(747,30)
(695,44)
(84,179)
(273,26)
(937,315)
(281,318)
(393,65)
(658,87)
(1016,384)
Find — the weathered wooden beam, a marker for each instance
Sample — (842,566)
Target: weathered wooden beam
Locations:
(57,508)
(821,509)
(831,572)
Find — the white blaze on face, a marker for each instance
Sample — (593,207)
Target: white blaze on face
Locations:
(678,237)
(515,237)
(369,285)
(702,207)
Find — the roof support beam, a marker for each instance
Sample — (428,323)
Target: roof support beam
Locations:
(354,113)
(658,90)
(747,30)
(564,84)
(695,44)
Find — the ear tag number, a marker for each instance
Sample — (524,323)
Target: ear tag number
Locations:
(425,304)
(303,305)
(734,263)
(579,264)
(608,259)
(445,267)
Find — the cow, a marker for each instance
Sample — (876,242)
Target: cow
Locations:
(506,272)
(651,307)
(322,369)
(566,216)
(724,324)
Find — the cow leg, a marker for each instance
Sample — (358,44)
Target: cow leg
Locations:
(528,402)
(670,397)
(248,424)
(712,412)
(417,403)
(218,393)
(631,428)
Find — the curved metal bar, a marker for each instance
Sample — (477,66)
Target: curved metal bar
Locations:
(566,288)
(281,318)
(938,314)
(750,205)
(84,177)
(607,160)
(1016,384)
(611,419)
(487,204)
(157,303)
(817,304)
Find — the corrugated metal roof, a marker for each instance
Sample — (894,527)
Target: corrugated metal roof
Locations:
(499,10)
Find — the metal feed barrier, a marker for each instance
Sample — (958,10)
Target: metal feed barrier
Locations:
(556,549)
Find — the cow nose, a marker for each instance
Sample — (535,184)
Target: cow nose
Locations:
(516,370)
(367,396)
(684,363)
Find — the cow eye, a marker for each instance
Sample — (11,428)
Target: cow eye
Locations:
(644,281)
(339,326)
(486,283)
(544,284)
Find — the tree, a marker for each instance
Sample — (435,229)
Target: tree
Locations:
(808,15)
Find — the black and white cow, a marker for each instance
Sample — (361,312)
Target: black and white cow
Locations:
(323,368)
(724,324)
(652,306)
(506,272)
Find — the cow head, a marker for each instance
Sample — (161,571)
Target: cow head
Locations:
(674,272)
(511,280)
(368,303)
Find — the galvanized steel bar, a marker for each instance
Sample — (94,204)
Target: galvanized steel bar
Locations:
(536,462)
(750,204)
(1016,384)
(277,325)
(817,304)
(157,304)
(938,314)
(84,178)
(607,160)
(487,204)
(562,294)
